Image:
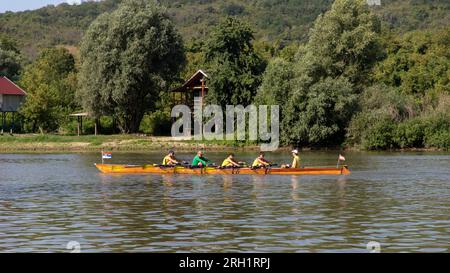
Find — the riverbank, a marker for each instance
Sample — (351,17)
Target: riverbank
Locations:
(29,143)
(58,143)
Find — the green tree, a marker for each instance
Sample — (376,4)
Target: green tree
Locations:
(344,42)
(332,68)
(234,66)
(417,63)
(50,84)
(277,81)
(383,106)
(318,114)
(128,56)
(10,58)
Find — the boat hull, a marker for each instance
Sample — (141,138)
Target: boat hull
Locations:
(150,169)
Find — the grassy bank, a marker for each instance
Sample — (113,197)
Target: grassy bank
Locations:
(58,143)
(90,143)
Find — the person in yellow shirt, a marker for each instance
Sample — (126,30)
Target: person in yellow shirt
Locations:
(170,160)
(260,162)
(295,160)
(230,162)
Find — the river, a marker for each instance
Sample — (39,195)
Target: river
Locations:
(401,201)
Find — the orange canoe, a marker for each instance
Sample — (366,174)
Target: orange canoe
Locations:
(151,169)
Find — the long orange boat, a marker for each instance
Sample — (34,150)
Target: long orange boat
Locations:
(151,169)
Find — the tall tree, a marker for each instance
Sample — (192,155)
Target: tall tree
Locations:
(333,68)
(344,42)
(234,66)
(51,90)
(128,56)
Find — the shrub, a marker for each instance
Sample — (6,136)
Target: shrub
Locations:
(437,131)
(157,123)
(380,135)
(410,134)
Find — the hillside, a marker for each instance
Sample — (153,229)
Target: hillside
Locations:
(273,20)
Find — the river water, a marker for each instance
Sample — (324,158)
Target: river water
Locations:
(399,200)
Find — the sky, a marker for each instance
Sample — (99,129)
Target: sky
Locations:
(20,5)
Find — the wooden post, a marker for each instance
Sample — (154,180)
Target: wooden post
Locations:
(81,125)
(3,122)
(78,126)
(95,126)
(12,124)
(203,89)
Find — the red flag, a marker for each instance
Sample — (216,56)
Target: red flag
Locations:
(341,158)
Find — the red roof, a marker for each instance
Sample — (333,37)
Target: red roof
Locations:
(7,87)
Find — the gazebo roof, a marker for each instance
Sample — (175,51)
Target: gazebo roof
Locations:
(198,76)
(7,87)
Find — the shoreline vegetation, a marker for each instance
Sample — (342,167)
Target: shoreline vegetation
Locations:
(353,83)
(47,143)
(123,143)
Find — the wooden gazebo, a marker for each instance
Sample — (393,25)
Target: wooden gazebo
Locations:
(80,117)
(193,90)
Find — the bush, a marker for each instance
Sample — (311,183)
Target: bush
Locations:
(105,126)
(437,131)
(380,135)
(158,123)
(410,134)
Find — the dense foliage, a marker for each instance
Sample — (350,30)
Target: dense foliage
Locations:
(234,66)
(368,77)
(417,63)
(411,101)
(128,56)
(50,82)
(330,71)
(280,21)
(10,58)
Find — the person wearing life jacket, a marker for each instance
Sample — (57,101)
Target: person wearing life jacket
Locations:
(260,162)
(170,160)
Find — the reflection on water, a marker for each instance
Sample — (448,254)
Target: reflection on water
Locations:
(399,199)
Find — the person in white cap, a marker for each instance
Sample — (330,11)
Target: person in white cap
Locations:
(295,161)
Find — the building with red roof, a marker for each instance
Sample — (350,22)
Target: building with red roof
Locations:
(11,97)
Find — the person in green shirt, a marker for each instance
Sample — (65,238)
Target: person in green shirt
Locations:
(200,160)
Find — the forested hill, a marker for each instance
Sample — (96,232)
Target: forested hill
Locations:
(280,21)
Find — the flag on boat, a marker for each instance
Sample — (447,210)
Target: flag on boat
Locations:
(341,158)
(106,155)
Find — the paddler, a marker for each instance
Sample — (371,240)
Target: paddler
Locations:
(260,162)
(199,160)
(295,161)
(230,162)
(170,160)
